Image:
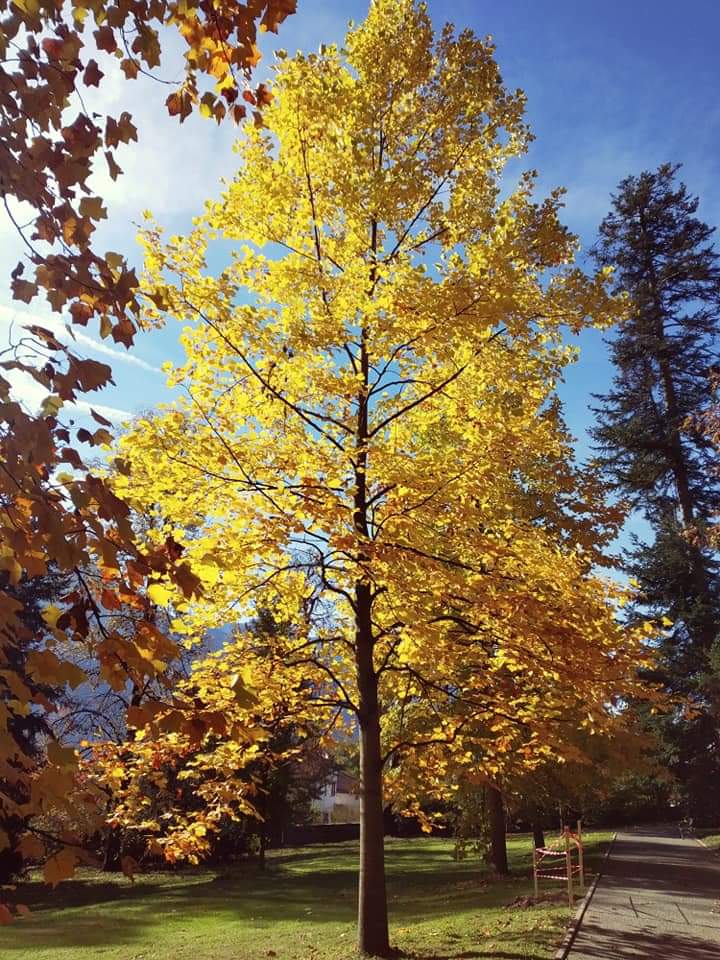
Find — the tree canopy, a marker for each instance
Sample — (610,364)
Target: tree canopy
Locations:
(368,442)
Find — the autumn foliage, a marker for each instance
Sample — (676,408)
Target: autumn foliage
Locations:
(53,508)
(368,442)
(369,445)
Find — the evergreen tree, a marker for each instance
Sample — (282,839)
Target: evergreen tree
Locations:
(664,355)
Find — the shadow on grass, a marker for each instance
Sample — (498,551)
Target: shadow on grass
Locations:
(314,886)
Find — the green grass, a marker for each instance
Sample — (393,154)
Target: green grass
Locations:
(710,837)
(302,907)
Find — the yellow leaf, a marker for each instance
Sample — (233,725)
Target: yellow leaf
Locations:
(239,686)
(30,7)
(51,615)
(159,594)
(92,207)
(51,405)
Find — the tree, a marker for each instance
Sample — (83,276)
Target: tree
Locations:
(253,771)
(369,428)
(648,442)
(49,141)
(498,829)
(584,773)
(177,792)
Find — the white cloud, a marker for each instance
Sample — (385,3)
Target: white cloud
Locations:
(12,318)
(31,394)
(110,413)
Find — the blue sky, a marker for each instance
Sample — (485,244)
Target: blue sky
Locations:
(613,88)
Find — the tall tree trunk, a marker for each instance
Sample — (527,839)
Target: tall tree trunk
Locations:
(498,845)
(373,937)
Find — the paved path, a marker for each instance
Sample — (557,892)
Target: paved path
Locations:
(658,899)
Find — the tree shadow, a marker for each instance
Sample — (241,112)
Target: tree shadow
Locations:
(307,888)
(598,943)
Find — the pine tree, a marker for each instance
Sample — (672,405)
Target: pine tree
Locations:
(664,355)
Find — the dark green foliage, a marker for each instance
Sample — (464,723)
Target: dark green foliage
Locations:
(633,799)
(472,826)
(650,450)
(480,826)
(664,353)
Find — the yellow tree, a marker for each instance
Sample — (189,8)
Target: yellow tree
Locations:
(368,443)
(179,788)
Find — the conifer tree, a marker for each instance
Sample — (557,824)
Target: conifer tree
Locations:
(648,442)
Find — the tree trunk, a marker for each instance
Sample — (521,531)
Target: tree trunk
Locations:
(373,937)
(538,834)
(113,847)
(498,846)
(262,826)
(263,844)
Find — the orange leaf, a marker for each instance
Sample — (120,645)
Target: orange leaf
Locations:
(60,867)
(110,600)
(80,312)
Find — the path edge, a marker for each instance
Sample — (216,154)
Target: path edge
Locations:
(714,851)
(564,949)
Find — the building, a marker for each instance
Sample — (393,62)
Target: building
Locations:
(339,800)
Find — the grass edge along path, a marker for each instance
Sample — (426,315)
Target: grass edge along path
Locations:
(302,907)
(709,838)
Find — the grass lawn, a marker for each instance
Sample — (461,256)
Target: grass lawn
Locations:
(302,907)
